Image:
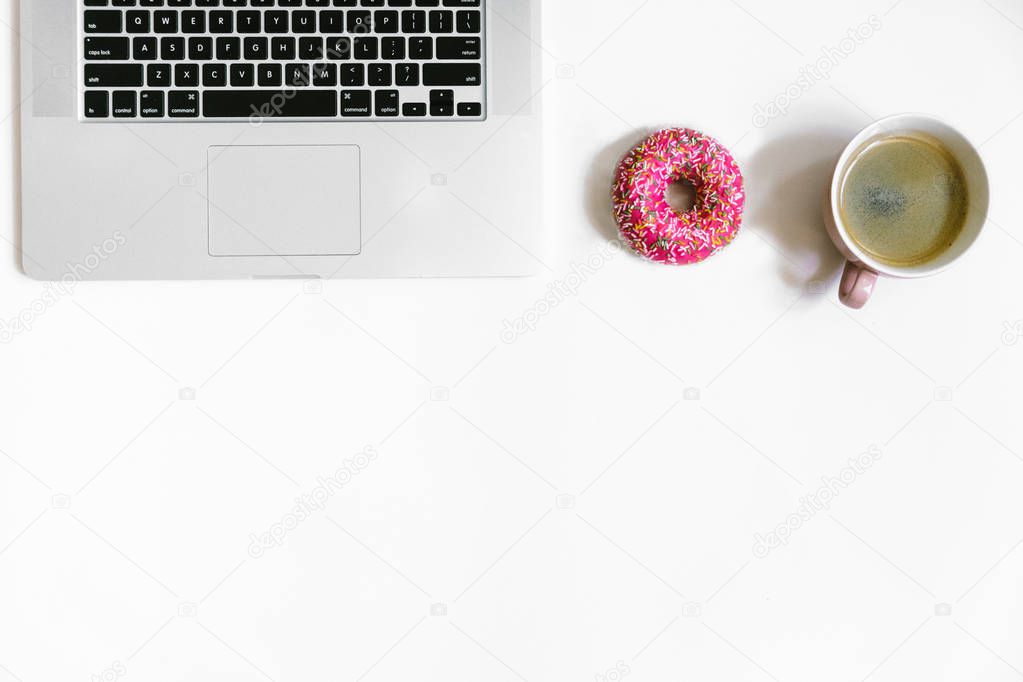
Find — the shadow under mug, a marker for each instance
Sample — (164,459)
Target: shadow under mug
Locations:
(862,270)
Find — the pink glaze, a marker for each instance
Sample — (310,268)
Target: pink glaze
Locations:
(655,229)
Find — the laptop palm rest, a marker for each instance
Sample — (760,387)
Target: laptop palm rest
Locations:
(284,200)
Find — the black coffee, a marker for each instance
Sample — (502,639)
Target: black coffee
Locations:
(904,200)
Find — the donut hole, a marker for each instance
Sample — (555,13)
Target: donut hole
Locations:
(681,195)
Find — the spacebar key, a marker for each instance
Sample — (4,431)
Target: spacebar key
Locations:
(256,104)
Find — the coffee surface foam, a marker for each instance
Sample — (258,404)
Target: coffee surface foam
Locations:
(904,199)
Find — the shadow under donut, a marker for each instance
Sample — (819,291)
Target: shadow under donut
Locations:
(786,182)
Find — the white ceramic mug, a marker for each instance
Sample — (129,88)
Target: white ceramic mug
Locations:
(862,271)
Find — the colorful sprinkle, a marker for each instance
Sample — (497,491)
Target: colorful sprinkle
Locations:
(656,230)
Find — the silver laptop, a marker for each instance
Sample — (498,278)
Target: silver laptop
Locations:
(195,139)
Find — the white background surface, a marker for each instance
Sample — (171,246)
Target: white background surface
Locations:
(126,512)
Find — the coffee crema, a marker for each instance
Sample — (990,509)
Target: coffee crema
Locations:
(904,199)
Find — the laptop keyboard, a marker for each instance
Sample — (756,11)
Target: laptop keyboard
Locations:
(368,60)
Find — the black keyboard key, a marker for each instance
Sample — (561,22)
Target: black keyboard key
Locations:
(186,75)
(137,22)
(102,21)
(442,21)
(442,109)
(257,49)
(165,22)
(360,22)
(282,48)
(303,22)
(275,22)
(380,75)
(193,22)
(385,21)
(297,75)
(158,75)
(459,48)
(386,102)
(367,47)
(214,75)
(353,75)
(200,49)
(413,21)
(116,75)
(339,48)
(106,48)
(310,48)
(356,103)
(332,21)
(452,74)
(97,105)
(151,104)
(406,74)
(124,104)
(268,75)
(269,103)
(420,48)
(221,22)
(470,109)
(468,21)
(144,48)
(442,96)
(183,104)
(248,21)
(229,49)
(393,48)
(324,75)
(172,48)
(243,75)
(414,109)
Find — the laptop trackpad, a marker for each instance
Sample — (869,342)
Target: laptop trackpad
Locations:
(284,200)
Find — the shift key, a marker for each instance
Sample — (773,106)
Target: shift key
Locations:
(119,75)
(452,74)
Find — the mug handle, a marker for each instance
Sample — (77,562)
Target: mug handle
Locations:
(857,285)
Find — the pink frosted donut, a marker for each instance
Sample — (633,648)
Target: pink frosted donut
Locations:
(655,229)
